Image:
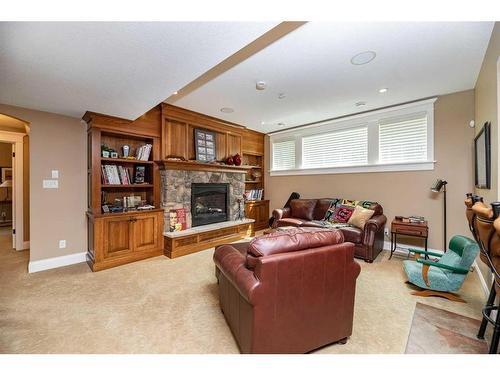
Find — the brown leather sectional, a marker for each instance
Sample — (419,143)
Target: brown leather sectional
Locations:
(368,242)
(288,292)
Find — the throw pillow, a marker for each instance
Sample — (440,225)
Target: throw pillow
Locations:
(366,204)
(329,213)
(349,202)
(342,214)
(360,216)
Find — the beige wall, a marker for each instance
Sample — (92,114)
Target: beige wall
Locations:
(56,142)
(5,161)
(5,154)
(486,98)
(405,193)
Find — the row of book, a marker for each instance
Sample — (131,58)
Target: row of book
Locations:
(254,194)
(143,152)
(115,175)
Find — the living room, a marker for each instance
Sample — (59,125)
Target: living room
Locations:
(253,187)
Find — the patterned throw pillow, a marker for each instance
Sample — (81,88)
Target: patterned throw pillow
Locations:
(331,210)
(342,214)
(366,204)
(349,202)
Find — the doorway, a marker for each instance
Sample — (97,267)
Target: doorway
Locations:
(14,182)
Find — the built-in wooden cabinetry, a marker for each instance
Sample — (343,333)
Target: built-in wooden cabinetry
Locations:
(119,238)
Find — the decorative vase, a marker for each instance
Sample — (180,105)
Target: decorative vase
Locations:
(230,161)
(237,160)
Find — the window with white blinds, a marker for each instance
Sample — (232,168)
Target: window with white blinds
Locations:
(336,149)
(399,138)
(403,140)
(283,155)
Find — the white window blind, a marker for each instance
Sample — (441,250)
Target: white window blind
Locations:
(284,155)
(340,148)
(403,140)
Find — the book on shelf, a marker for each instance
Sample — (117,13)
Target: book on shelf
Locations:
(254,194)
(115,175)
(143,152)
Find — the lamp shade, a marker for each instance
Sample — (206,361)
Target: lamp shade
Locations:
(6,184)
(438,185)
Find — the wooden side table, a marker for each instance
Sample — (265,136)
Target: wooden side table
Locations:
(420,230)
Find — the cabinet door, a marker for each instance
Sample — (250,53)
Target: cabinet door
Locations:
(175,141)
(263,216)
(117,237)
(146,236)
(250,211)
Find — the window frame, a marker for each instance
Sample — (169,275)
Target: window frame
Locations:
(371,120)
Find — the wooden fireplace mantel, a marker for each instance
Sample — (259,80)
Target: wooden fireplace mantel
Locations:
(198,166)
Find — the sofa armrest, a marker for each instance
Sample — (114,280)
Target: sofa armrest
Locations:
(233,265)
(280,213)
(376,223)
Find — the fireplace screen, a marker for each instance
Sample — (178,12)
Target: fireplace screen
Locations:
(209,203)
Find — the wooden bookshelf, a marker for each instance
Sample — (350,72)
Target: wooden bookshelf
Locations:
(123,237)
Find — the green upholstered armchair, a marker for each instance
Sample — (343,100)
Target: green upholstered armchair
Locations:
(445,275)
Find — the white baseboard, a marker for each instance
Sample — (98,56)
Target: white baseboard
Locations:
(403,249)
(65,260)
(484,284)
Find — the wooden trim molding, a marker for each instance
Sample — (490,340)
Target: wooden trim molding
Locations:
(197,166)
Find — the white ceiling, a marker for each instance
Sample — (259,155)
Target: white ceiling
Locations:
(312,67)
(120,69)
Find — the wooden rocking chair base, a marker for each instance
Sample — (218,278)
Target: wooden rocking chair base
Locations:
(434,293)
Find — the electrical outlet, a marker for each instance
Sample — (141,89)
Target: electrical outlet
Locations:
(386,231)
(55,173)
(62,244)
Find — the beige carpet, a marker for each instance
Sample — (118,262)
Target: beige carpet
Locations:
(170,306)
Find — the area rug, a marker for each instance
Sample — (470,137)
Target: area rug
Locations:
(437,331)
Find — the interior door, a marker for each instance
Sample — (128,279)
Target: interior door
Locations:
(146,236)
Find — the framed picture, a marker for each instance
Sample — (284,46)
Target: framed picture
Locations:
(482,156)
(6,174)
(204,145)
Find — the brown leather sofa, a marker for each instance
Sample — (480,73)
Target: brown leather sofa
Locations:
(368,242)
(288,292)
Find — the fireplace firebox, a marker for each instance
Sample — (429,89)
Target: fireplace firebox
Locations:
(209,203)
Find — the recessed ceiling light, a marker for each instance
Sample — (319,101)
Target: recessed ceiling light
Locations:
(360,104)
(363,58)
(263,123)
(260,85)
(175,93)
(281,95)
(383,90)
(227,110)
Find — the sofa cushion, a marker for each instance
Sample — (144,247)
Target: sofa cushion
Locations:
(290,221)
(352,234)
(302,208)
(294,240)
(377,208)
(322,206)
(360,216)
(349,202)
(342,214)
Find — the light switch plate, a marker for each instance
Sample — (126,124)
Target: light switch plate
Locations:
(62,244)
(50,184)
(55,173)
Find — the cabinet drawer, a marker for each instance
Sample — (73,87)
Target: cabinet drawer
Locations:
(411,231)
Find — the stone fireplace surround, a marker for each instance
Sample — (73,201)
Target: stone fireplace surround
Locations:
(176,189)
